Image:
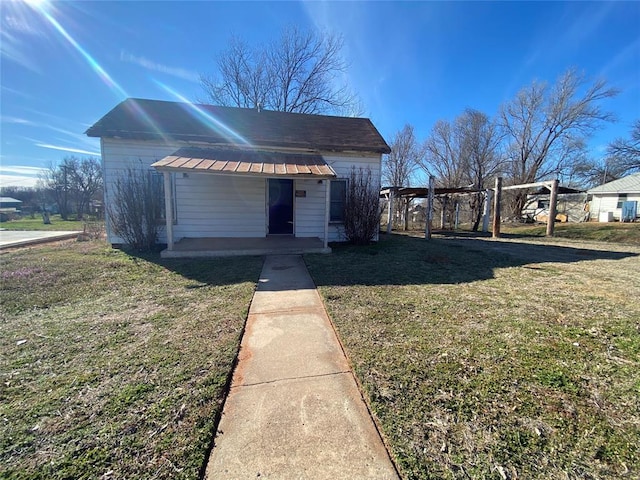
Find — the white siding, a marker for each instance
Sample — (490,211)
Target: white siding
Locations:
(229,206)
(309,210)
(601,203)
(342,166)
(118,155)
(220,206)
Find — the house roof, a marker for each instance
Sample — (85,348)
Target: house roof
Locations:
(628,184)
(9,200)
(245,162)
(155,119)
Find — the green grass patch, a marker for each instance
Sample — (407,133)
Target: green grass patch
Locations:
(28,223)
(627,233)
(112,365)
(494,359)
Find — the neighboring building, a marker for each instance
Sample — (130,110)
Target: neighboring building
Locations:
(572,205)
(10,203)
(239,173)
(8,208)
(610,199)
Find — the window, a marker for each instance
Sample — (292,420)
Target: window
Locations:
(622,197)
(157,187)
(338,197)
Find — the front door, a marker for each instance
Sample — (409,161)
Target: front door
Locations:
(280,206)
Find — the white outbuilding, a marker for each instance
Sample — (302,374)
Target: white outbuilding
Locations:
(616,200)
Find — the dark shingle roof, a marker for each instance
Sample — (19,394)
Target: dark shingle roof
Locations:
(154,119)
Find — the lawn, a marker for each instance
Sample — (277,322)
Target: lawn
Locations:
(113,365)
(614,232)
(494,359)
(28,223)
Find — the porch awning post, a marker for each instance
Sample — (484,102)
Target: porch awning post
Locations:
(168,209)
(327,211)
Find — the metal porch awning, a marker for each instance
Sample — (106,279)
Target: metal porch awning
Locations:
(245,162)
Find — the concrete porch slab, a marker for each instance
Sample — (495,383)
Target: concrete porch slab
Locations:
(233,247)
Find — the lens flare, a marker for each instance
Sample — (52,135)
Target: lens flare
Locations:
(40,7)
(93,63)
(206,118)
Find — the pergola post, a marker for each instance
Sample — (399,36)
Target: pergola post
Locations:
(407,204)
(429,216)
(443,214)
(487,210)
(553,208)
(327,211)
(390,211)
(496,208)
(168,208)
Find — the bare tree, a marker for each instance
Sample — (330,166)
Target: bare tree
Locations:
(242,81)
(590,173)
(546,127)
(300,72)
(399,166)
(57,183)
(86,177)
(624,153)
(444,155)
(444,159)
(406,154)
(74,182)
(480,154)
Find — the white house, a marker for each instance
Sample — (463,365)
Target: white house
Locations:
(238,174)
(608,200)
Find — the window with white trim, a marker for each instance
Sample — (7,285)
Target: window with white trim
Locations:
(338,196)
(622,197)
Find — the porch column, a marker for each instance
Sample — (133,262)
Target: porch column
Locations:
(168,209)
(327,211)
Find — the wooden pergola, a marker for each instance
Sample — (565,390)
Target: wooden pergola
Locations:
(390,193)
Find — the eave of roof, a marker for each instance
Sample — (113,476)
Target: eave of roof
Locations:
(628,184)
(245,162)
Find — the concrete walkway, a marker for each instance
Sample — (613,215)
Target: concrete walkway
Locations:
(294,409)
(19,238)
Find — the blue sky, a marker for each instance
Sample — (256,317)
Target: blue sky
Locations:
(65,64)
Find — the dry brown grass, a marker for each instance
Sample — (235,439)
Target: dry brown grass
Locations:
(494,359)
(115,366)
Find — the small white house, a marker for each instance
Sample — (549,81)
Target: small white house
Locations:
(608,200)
(236,173)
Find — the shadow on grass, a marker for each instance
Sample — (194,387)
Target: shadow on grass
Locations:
(405,260)
(214,271)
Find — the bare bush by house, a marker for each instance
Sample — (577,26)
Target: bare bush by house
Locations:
(362,207)
(136,208)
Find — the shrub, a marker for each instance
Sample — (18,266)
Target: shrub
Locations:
(362,207)
(136,207)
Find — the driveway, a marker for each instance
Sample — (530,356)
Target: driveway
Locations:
(19,238)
